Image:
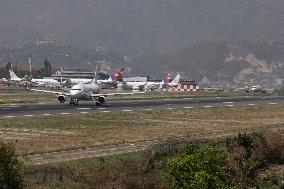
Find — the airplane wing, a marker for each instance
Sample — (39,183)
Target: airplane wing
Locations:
(114,94)
(52,92)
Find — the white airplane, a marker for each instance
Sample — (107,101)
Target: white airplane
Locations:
(14,77)
(174,82)
(90,91)
(79,81)
(162,84)
(256,88)
(53,82)
(151,85)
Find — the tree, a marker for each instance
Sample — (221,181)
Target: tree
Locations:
(47,67)
(199,167)
(11,169)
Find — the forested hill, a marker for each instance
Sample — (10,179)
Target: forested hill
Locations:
(218,61)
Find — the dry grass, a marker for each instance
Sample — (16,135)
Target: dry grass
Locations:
(63,132)
(23,96)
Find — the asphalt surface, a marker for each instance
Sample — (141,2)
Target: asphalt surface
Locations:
(53,108)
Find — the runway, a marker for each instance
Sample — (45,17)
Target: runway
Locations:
(53,108)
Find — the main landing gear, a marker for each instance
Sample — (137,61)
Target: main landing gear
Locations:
(100,101)
(73,102)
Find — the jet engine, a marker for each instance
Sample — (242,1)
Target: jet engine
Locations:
(61,99)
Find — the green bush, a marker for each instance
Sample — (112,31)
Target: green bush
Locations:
(198,167)
(11,169)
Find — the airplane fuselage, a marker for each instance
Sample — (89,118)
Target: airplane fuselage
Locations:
(84,91)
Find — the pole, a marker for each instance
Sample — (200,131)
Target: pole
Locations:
(30,66)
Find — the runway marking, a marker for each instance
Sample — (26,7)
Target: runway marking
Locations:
(149,109)
(169,108)
(188,107)
(106,111)
(228,102)
(127,110)
(188,98)
(42,103)
(272,103)
(11,104)
(46,114)
(230,105)
(166,99)
(251,104)
(207,106)
(84,112)
(9,116)
(83,108)
(65,113)
(169,104)
(29,115)
(102,108)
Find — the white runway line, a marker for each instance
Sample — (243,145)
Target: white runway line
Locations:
(102,108)
(11,104)
(188,107)
(166,99)
(29,115)
(230,105)
(84,112)
(9,116)
(207,106)
(83,108)
(65,113)
(228,102)
(149,109)
(188,98)
(42,103)
(106,111)
(169,108)
(251,104)
(272,103)
(46,114)
(127,110)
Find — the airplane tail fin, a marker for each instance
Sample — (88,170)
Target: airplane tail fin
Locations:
(168,78)
(13,75)
(117,76)
(176,80)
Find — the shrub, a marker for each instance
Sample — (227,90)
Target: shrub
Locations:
(11,169)
(198,167)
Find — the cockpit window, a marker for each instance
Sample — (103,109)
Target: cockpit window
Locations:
(75,89)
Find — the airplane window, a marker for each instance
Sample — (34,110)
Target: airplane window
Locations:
(76,89)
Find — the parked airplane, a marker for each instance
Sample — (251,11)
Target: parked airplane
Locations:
(174,82)
(150,85)
(83,80)
(15,78)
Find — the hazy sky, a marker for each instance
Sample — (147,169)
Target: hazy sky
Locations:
(135,26)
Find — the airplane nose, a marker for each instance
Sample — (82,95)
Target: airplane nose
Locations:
(74,94)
